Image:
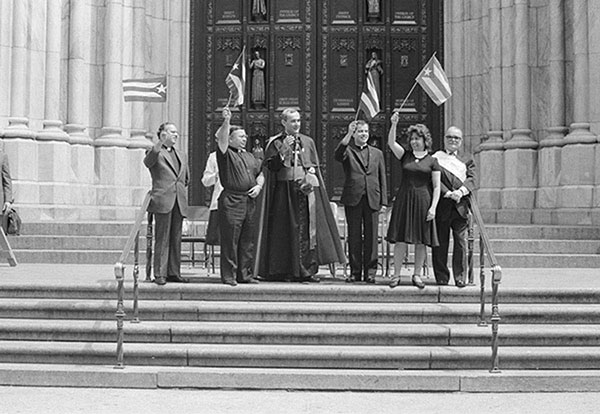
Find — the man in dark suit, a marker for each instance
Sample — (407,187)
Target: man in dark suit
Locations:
(169,170)
(457,182)
(5,184)
(364,194)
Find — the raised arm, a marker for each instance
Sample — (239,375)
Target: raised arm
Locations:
(396,148)
(222,133)
(340,151)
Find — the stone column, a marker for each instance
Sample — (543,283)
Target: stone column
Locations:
(578,155)
(78,94)
(18,122)
(52,125)
(138,130)
(520,157)
(113,92)
(83,192)
(54,160)
(550,151)
(491,156)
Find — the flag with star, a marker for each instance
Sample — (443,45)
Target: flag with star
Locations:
(149,90)
(236,80)
(434,81)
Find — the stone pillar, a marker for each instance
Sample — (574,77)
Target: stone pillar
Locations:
(18,122)
(550,151)
(578,155)
(520,157)
(138,130)
(78,94)
(491,156)
(54,160)
(83,192)
(52,125)
(113,92)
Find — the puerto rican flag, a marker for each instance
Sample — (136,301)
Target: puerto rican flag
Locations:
(236,80)
(434,81)
(369,99)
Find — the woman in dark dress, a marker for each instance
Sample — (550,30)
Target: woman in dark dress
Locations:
(413,213)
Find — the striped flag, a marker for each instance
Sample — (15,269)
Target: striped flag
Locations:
(149,90)
(369,99)
(236,80)
(433,79)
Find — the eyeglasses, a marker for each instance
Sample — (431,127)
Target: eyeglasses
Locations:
(453,137)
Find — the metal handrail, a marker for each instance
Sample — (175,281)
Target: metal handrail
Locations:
(485,247)
(132,242)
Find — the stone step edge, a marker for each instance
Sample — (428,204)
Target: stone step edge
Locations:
(151,377)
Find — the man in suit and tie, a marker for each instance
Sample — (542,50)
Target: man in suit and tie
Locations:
(168,202)
(457,182)
(5,184)
(364,193)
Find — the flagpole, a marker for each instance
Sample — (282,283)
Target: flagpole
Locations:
(356,116)
(406,98)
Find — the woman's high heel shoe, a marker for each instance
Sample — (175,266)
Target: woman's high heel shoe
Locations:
(395,281)
(416,280)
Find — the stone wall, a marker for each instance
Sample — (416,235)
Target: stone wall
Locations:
(75,147)
(523,74)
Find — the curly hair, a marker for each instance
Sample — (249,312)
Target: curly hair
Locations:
(422,132)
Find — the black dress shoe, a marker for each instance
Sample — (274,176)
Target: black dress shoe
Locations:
(230,282)
(460,283)
(416,280)
(395,281)
(177,279)
(350,279)
(370,280)
(159,280)
(251,281)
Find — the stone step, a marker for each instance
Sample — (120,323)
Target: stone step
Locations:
(70,242)
(544,232)
(116,243)
(329,291)
(215,311)
(320,379)
(300,356)
(79,228)
(334,334)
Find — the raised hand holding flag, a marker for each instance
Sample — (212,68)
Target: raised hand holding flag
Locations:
(236,80)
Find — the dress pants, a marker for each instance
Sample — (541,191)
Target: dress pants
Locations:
(459,226)
(236,227)
(363,225)
(167,246)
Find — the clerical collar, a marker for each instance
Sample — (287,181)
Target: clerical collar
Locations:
(237,149)
(454,153)
(169,149)
(360,147)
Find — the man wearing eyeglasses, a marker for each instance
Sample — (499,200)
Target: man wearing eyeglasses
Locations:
(457,182)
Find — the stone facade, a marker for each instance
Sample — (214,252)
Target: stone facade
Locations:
(75,147)
(523,75)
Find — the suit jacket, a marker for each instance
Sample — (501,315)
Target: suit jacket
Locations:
(362,178)
(168,183)
(5,181)
(450,182)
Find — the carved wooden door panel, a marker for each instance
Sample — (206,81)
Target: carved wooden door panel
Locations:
(312,55)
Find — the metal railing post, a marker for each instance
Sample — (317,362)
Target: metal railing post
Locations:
(496,278)
(136,273)
(470,248)
(482,321)
(120,314)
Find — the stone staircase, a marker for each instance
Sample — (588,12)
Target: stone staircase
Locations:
(295,331)
(516,246)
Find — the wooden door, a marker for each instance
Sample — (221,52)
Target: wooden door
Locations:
(315,55)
